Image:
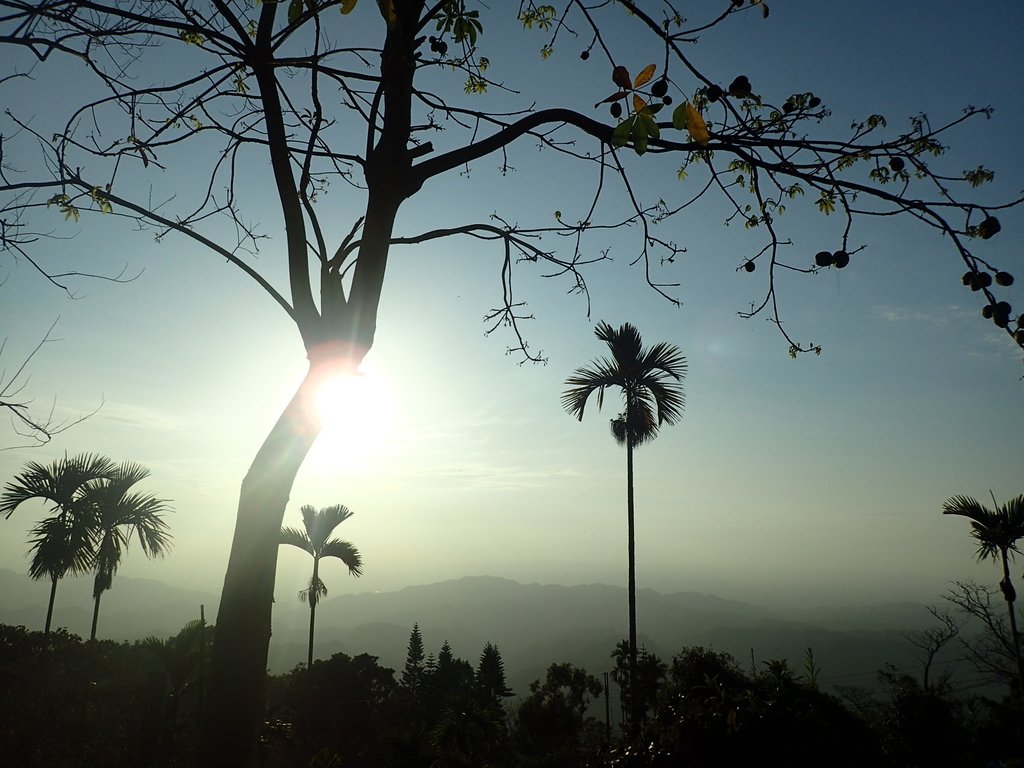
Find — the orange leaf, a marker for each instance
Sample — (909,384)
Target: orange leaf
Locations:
(645,75)
(695,125)
(638,103)
(347,6)
(620,76)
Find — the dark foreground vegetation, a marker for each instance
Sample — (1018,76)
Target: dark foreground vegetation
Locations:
(101,704)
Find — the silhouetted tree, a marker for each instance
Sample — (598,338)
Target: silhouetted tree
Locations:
(64,542)
(990,648)
(412,674)
(490,676)
(315,539)
(649,382)
(650,671)
(997,532)
(247,90)
(116,514)
(551,723)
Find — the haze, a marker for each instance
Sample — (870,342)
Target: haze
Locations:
(814,480)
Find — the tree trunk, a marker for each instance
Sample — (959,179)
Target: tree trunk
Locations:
(95,614)
(49,606)
(312,613)
(634,703)
(1007,591)
(236,685)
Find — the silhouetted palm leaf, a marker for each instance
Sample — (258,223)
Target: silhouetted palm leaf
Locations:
(993,529)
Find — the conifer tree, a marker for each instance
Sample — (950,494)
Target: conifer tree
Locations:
(490,675)
(412,675)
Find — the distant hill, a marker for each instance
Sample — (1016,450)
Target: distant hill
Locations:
(534,625)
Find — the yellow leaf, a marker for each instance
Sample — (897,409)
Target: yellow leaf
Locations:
(695,124)
(347,6)
(638,103)
(645,75)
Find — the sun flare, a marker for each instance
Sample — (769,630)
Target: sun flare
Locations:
(358,414)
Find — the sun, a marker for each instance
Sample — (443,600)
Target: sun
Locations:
(358,412)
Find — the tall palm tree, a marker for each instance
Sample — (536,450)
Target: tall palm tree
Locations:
(117,514)
(649,380)
(64,542)
(997,532)
(315,539)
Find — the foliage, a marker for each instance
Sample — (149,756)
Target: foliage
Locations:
(248,90)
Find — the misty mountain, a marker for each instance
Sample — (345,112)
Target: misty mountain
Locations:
(534,625)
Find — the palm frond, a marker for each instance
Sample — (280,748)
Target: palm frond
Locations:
(649,380)
(345,552)
(995,530)
(296,538)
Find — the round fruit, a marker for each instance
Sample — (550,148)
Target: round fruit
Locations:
(1001,321)
(897,164)
(840,259)
(823,259)
(1003,309)
(713,93)
(1020,321)
(585,55)
(968,278)
(989,227)
(984,279)
(442,47)
(616,109)
(750,266)
(987,311)
(666,100)
(814,102)
(740,87)
(659,88)
(1018,336)
(1004,279)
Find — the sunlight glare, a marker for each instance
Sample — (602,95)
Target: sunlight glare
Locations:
(359,417)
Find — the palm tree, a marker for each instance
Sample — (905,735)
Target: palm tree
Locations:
(652,395)
(117,514)
(318,525)
(63,543)
(997,532)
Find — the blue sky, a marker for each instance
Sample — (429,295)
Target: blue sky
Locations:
(820,478)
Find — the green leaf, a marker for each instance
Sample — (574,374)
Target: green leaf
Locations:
(679,117)
(347,6)
(620,134)
(294,11)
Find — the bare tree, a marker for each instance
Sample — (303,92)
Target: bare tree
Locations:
(928,643)
(387,103)
(990,648)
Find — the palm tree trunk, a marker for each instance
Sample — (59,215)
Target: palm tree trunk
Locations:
(1008,594)
(631,588)
(95,613)
(49,606)
(312,614)
(236,684)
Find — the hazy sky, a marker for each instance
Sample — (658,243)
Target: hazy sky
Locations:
(822,477)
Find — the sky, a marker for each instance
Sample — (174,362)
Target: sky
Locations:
(818,479)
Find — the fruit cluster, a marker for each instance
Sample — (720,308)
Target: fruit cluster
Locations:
(839,259)
(440,47)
